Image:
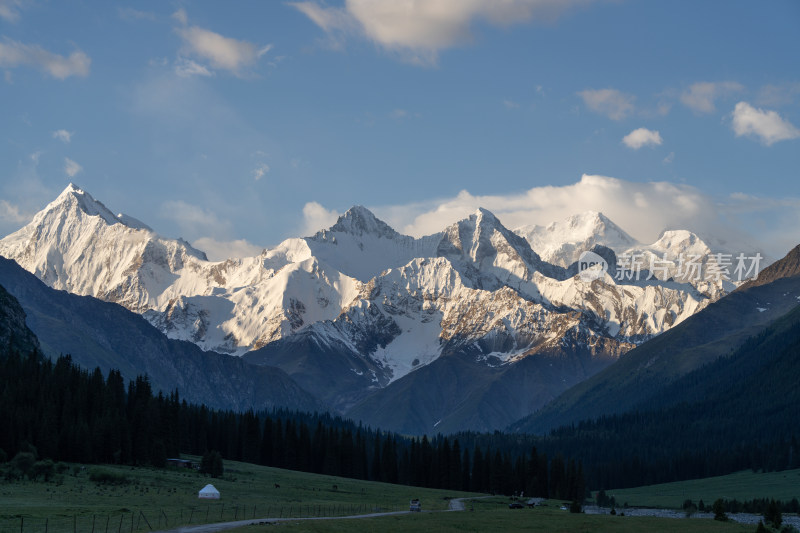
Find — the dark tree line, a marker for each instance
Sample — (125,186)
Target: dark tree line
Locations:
(702,426)
(738,413)
(66,413)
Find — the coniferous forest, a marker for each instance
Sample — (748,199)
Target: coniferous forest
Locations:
(64,413)
(699,426)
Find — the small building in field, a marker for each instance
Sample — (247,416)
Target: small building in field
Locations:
(181,463)
(208,493)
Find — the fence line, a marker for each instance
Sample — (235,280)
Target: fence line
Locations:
(154,519)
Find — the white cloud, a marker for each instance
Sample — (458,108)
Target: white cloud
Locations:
(777,95)
(9,10)
(35,157)
(181,16)
(186,68)
(71,168)
(221,52)
(612,103)
(700,96)
(766,125)
(129,13)
(263,50)
(11,215)
(510,104)
(14,53)
(217,250)
(316,217)
(642,137)
(669,159)
(642,209)
(419,30)
(63,135)
(260,171)
(195,221)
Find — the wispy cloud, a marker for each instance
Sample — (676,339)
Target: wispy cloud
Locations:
(419,31)
(195,221)
(63,135)
(700,97)
(9,10)
(220,52)
(642,137)
(71,168)
(643,209)
(186,68)
(14,54)
(219,250)
(765,125)
(317,217)
(612,103)
(260,171)
(181,16)
(129,13)
(778,95)
(12,215)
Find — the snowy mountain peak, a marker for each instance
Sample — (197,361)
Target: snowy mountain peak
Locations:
(358,220)
(484,214)
(360,285)
(674,243)
(562,242)
(73,198)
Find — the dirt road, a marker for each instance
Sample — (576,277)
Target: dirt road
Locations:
(456,504)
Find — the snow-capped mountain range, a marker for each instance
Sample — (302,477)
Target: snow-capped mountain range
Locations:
(396,302)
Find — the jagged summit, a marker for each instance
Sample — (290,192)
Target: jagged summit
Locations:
(562,242)
(75,198)
(482,212)
(358,220)
(359,305)
(671,238)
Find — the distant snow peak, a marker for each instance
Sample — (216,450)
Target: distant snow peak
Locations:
(358,220)
(394,301)
(562,242)
(74,198)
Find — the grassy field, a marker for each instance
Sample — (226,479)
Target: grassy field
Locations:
(494,515)
(166,498)
(742,486)
(161,499)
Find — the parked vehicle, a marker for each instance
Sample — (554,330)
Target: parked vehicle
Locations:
(415,506)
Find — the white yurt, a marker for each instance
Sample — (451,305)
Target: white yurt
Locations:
(208,492)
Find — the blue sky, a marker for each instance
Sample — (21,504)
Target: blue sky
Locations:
(236,125)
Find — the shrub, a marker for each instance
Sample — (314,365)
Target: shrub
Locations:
(107,477)
(719,511)
(23,463)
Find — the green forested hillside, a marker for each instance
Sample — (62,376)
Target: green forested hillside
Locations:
(739,412)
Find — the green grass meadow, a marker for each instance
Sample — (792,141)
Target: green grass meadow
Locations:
(158,499)
(742,486)
(166,498)
(494,515)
